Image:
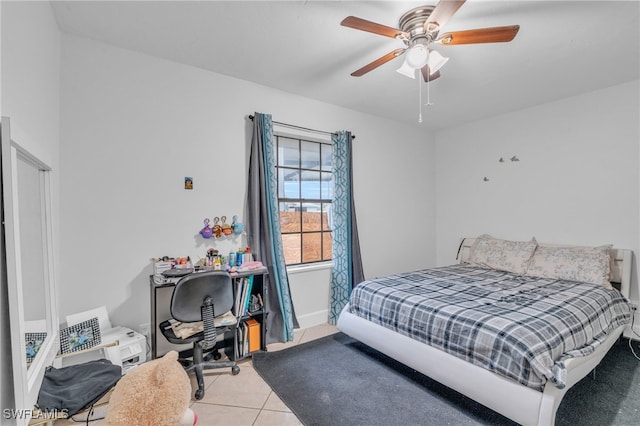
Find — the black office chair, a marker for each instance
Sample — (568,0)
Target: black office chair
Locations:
(194,299)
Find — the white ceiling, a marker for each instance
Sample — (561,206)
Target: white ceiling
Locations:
(562,49)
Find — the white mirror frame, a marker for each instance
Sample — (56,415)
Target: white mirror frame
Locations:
(27,381)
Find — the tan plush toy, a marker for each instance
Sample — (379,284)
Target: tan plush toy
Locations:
(156,393)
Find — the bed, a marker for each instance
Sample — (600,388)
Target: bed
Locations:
(531,392)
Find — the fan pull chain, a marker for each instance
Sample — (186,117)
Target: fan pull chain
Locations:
(420,95)
(420,99)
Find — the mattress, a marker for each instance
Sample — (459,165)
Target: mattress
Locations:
(519,327)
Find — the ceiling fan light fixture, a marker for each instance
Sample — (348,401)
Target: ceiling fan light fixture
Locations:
(406,69)
(420,27)
(417,56)
(436,61)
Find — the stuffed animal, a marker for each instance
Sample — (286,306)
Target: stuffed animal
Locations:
(156,393)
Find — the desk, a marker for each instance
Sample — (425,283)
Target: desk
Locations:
(160,309)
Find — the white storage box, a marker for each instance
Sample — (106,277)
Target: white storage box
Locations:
(160,267)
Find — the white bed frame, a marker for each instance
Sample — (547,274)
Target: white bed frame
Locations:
(513,400)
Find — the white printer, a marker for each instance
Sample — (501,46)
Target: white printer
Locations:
(132,346)
(130,350)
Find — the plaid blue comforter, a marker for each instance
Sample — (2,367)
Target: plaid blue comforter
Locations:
(519,327)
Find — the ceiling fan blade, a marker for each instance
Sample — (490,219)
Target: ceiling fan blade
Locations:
(375,64)
(425,74)
(482,35)
(443,11)
(372,27)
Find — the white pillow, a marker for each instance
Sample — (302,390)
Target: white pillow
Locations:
(586,264)
(505,255)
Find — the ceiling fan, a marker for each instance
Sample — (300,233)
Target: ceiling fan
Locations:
(418,29)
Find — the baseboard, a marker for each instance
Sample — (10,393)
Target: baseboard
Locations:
(313,318)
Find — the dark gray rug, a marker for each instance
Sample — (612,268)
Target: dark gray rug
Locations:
(337,380)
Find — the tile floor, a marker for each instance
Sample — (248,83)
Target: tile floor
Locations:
(245,399)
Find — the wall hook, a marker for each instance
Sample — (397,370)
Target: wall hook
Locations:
(486,179)
(501,160)
(514,158)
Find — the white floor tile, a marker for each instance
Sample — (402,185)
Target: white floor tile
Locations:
(246,389)
(276,418)
(274,403)
(222,415)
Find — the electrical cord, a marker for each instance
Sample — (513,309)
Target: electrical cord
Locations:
(88,418)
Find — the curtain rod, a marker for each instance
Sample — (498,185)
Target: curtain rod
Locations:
(293,126)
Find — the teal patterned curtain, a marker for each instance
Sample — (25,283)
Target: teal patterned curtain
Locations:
(346,269)
(263,230)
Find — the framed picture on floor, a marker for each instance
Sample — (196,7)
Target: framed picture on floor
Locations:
(80,336)
(32,343)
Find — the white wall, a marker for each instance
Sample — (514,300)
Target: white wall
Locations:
(30,77)
(30,98)
(134,126)
(577,181)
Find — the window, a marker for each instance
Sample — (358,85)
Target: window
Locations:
(304,198)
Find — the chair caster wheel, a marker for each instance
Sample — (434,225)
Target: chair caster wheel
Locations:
(199,394)
(235,370)
(217,356)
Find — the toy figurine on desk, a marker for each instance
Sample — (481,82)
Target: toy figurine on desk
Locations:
(211,256)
